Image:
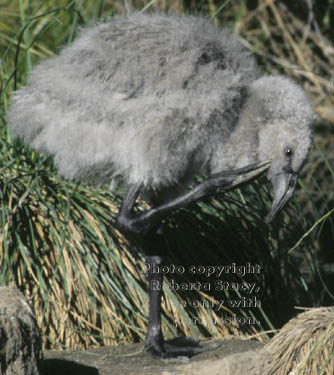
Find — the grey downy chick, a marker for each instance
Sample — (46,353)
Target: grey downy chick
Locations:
(155,99)
(149,101)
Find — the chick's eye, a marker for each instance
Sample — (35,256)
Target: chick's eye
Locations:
(288,152)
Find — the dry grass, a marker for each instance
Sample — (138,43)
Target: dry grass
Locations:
(305,345)
(293,47)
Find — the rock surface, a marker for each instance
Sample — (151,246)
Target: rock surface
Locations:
(20,352)
(20,341)
(233,357)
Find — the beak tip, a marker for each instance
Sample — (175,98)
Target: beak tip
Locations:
(281,196)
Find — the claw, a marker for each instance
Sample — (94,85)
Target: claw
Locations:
(226,180)
(247,173)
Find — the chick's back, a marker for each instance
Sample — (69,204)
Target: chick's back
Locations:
(141,99)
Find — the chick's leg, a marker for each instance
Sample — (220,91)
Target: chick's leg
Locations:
(144,229)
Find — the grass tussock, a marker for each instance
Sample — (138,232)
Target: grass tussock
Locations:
(57,240)
(304,346)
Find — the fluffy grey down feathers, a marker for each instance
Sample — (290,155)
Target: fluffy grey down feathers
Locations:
(155,99)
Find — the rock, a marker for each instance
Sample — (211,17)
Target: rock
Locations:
(20,340)
(233,357)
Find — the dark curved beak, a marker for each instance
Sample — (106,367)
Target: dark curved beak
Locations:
(284,185)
